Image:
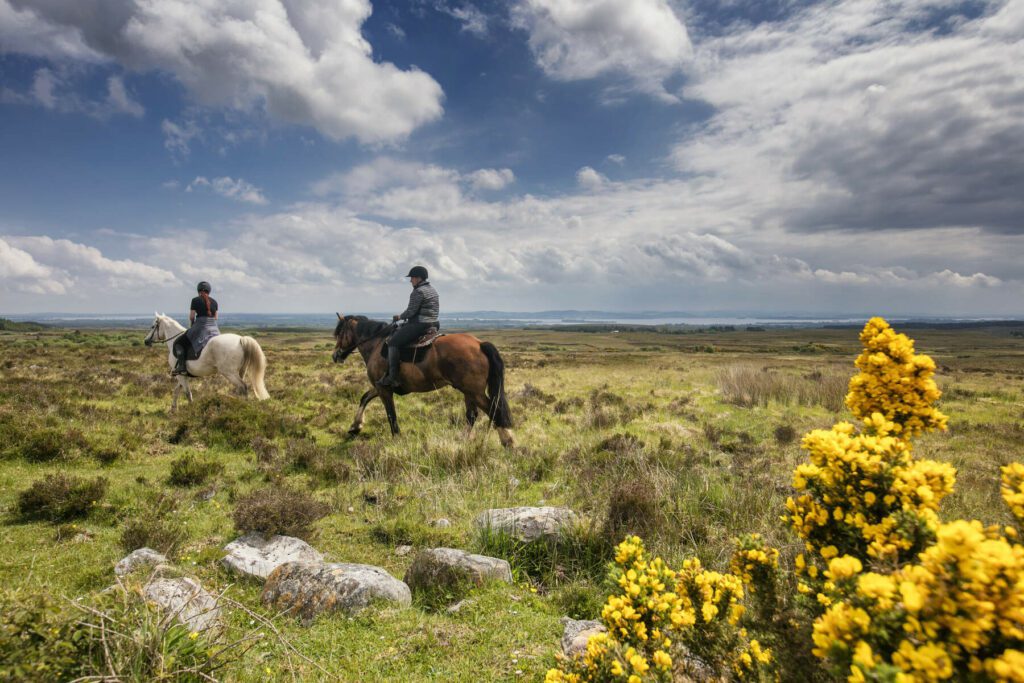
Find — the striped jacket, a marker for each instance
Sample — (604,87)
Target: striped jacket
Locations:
(424,305)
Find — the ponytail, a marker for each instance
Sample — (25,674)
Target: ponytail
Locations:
(206,300)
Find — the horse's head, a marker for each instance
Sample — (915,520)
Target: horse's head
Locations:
(154,330)
(345,341)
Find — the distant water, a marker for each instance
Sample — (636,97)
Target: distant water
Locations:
(488,319)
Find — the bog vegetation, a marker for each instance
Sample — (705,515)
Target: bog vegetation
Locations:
(754,525)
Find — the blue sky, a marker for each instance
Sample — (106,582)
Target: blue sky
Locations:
(852,156)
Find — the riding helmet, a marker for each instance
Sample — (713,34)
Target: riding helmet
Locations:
(203,286)
(418,271)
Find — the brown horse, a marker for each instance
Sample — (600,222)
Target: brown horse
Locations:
(462,361)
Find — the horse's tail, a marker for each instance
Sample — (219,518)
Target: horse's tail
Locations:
(254,364)
(498,410)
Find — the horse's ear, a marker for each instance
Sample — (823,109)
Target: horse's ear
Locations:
(338,314)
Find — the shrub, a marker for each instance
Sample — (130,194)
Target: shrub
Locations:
(49,443)
(578,553)
(633,507)
(784,434)
(234,422)
(190,470)
(111,636)
(278,510)
(320,462)
(155,524)
(60,497)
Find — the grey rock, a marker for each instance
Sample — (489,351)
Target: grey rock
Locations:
(458,607)
(527,523)
(449,569)
(441,523)
(403,550)
(185,600)
(307,589)
(255,555)
(137,559)
(577,633)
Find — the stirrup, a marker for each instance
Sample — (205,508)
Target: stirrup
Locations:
(386,381)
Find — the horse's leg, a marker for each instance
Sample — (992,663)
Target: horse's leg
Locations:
(388,399)
(357,424)
(504,434)
(187,386)
(177,392)
(471,413)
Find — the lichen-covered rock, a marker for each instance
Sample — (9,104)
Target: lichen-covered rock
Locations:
(255,555)
(449,569)
(306,589)
(185,600)
(527,523)
(138,559)
(577,633)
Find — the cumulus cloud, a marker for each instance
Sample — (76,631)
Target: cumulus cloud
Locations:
(861,116)
(231,188)
(472,19)
(299,61)
(642,41)
(46,266)
(491,178)
(53,89)
(589,179)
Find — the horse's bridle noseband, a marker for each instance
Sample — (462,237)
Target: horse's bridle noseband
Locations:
(153,329)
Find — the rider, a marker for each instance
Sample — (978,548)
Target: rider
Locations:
(420,316)
(202,316)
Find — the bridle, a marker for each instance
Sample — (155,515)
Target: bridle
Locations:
(341,354)
(153,330)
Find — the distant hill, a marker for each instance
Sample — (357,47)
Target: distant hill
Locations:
(11,326)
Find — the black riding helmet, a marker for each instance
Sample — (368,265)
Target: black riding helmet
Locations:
(203,286)
(418,271)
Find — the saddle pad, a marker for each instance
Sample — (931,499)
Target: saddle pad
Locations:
(428,338)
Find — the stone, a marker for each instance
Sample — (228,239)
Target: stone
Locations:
(460,605)
(307,589)
(449,570)
(441,523)
(255,555)
(403,550)
(138,559)
(186,600)
(527,523)
(577,633)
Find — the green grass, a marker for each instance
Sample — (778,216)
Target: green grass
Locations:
(592,410)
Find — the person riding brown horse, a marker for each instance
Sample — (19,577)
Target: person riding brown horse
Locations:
(420,315)
(460,360)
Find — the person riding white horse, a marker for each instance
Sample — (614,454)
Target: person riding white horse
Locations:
(202,317)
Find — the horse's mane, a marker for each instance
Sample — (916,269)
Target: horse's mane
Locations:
(365,328)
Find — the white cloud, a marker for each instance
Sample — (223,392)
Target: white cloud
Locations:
(642,41)
(46,266)
(616,159)
(178,136)
(491,178)
(589,179)
(231,188)
(299,61)
(55,90)
(472,19)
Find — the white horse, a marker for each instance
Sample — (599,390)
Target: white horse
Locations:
(240,359)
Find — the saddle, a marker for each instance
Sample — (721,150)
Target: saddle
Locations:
(416,351)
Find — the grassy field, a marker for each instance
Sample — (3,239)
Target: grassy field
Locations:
(687,439)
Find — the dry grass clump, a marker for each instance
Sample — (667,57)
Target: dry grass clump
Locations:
(234,422)
(305,455)
(44,444)
(634,506)
(784,434)
(191,470)
(279,510)
(60,497)
(153,523)
(748,386)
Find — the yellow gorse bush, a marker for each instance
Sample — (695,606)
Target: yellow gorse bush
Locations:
(662,620)
(894,594)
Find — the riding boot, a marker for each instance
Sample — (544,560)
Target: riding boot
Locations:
(181,356)
(394,368)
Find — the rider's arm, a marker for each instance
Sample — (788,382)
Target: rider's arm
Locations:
(415,301)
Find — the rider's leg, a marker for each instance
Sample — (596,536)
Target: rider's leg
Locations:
(181,355)
(406,335)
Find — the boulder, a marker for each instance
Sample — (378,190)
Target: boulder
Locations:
(307,589)
(138,559)
(577,633)
(527,523)
(448,570)
(441,523)
(185,600)
(255,555)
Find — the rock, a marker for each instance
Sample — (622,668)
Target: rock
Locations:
(457,607)
(527,523)
(307,589)
(255,555)
(137,559)
(577,633)
(185,600)
(441,523)
(403,550)
(448,570)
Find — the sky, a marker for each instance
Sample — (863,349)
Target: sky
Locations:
(769,157)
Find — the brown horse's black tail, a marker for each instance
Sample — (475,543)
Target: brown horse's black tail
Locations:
(498,411)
